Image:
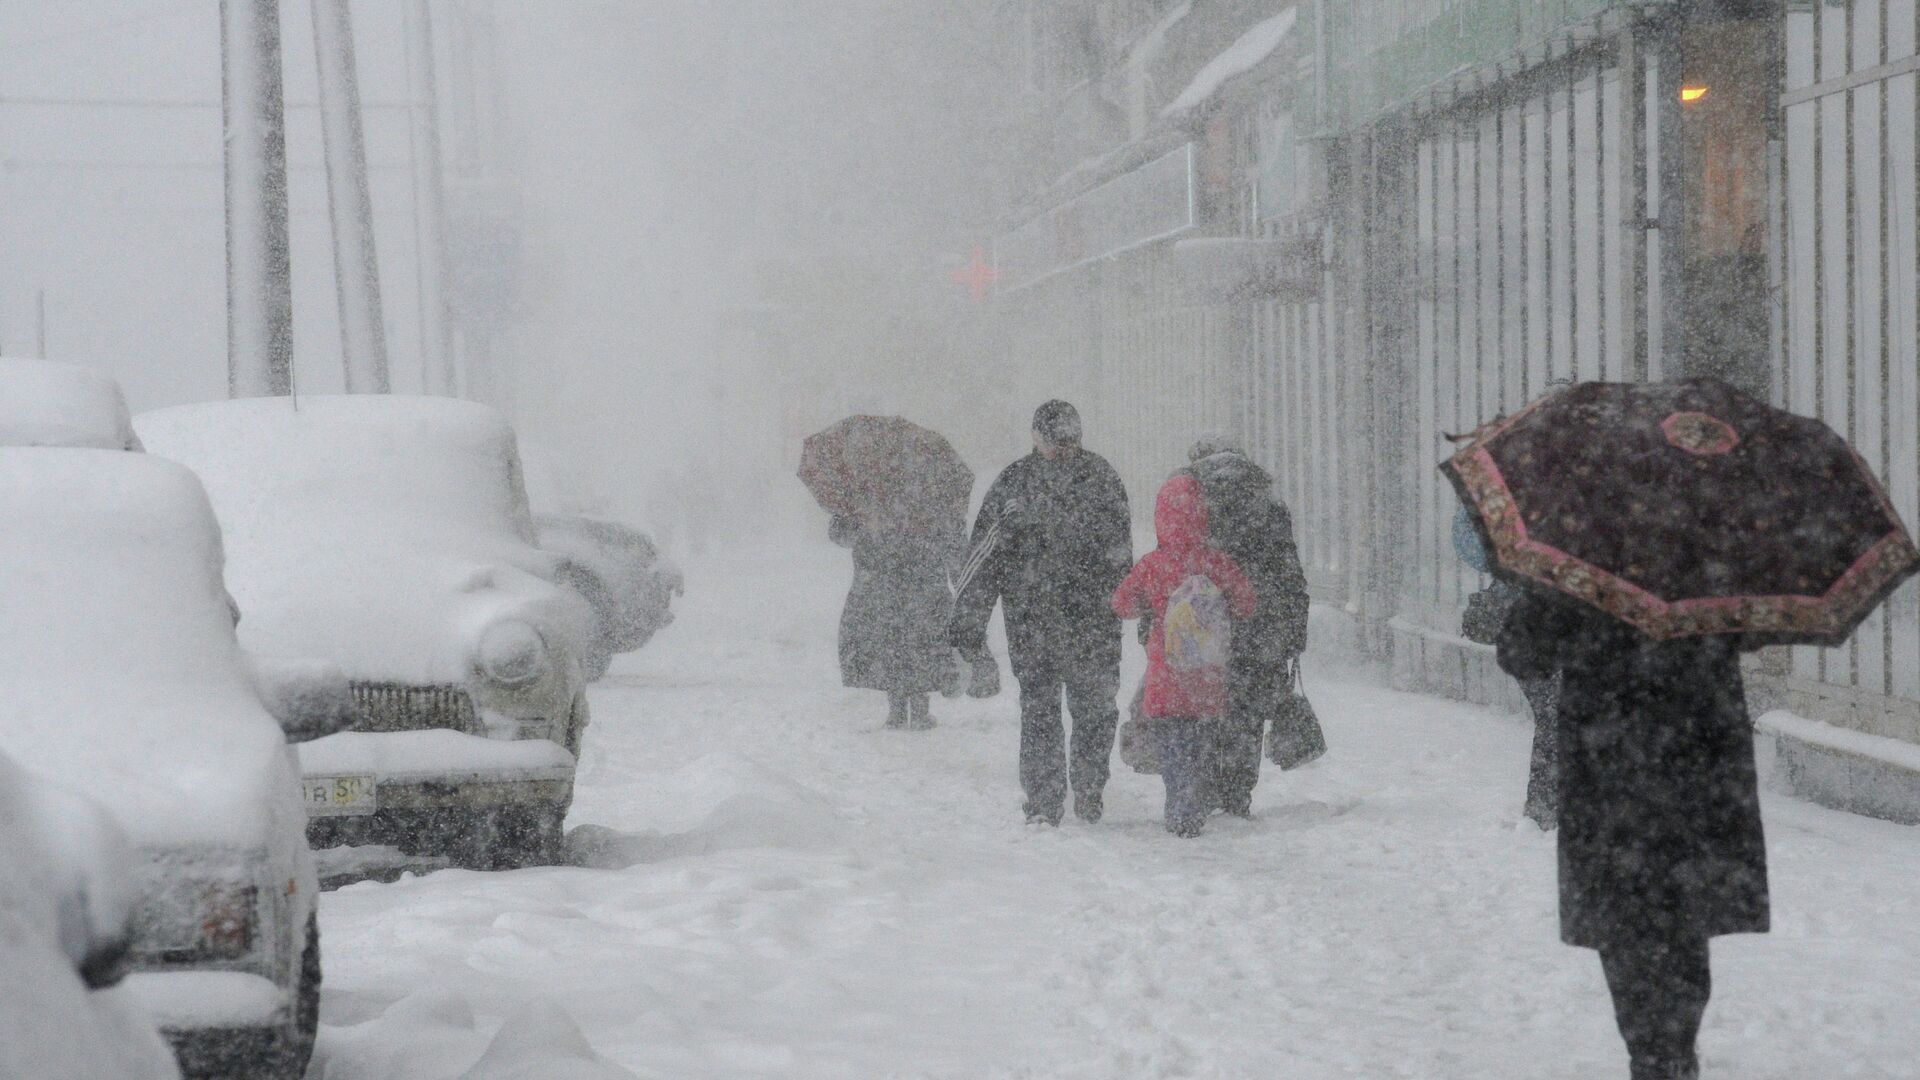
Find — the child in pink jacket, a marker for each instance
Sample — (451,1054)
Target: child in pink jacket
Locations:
(1194,594)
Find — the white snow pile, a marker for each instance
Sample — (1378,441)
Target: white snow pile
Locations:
(1242,56)
(381,532)
(60,887)
(49,403)
(430,754)
(746,806)
(434,1034)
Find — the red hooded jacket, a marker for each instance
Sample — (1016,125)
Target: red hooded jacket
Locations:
(1180,519)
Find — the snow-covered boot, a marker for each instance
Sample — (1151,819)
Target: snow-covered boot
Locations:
(919,718)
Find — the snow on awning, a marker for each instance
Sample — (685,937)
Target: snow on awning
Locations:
(1242,56)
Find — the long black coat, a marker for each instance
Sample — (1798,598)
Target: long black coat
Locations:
(1246,520)
(1660,833)
(1066,543)
(893,630)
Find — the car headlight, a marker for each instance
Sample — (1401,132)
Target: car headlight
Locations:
(512,654)
(204,922)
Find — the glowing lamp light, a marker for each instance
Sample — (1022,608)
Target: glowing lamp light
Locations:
(1693,93)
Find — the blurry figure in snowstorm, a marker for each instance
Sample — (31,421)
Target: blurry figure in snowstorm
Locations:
(1661,846)
(893,628)
(898,495)
(1052,540)
(1254,528)
(1196,595)
(1486,612)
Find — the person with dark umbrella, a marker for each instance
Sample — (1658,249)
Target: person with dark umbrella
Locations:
(1053,539)
(898,495)
(1654,531)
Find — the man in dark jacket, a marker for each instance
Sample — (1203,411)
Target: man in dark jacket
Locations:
(1661,846)
(1248,523)
(1052,541)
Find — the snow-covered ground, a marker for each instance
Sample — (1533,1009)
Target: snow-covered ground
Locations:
(774,886)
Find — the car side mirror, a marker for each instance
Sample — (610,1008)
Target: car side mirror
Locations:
(310,698)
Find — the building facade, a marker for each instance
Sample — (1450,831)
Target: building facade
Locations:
(1346,230)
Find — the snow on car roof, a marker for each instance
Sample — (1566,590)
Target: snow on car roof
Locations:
(51,403)
(379,532)
(119,669)
(355,460)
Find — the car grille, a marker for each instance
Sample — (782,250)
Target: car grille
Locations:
(401,707)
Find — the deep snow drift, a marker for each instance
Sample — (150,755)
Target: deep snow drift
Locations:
(773,886)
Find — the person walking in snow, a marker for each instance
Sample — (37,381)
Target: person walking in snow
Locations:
(1254,528)
(1052,539)
(1196,596)
(893,627)
(1661,847)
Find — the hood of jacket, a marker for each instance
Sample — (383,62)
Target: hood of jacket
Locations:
(1180,514)
(1232,474)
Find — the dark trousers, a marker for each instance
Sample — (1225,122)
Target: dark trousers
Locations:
(1047,763)
(1660,990)
(1254,689)
(1543,771)
(1185,746)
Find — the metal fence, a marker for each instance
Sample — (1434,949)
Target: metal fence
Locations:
(1519,276)
(1849,281)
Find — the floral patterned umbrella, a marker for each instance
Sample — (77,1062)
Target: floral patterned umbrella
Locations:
(1686,509)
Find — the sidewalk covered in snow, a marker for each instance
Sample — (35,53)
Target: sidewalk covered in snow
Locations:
(773,886)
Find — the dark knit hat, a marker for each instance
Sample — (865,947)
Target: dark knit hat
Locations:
(1058,423)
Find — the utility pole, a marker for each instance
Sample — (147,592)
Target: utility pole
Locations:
(356,269)
(259,280)
(429,204)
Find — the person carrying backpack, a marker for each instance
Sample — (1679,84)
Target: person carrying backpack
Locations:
(1195,594)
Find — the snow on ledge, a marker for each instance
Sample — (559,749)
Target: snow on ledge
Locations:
(1826,736)
(207,999)
(1239,58)
(402,755)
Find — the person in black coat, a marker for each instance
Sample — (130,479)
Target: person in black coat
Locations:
(893,627)
(1661,846)
(1250,524)
(1053,539)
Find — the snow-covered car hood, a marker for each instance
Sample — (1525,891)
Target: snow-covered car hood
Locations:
(119,671)
(388,613)
(382,533)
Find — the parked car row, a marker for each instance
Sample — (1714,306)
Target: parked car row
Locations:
(250,628)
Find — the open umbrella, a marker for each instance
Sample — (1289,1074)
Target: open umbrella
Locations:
(1686,509)
(890,474)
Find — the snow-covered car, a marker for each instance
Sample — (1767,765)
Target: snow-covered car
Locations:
(625,578)
(122,679)
(51,403)
(391,536)
(66,912)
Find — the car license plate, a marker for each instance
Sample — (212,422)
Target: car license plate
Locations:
(328,796)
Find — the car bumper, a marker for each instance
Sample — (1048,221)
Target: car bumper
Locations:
(435,769)
(219,1023)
